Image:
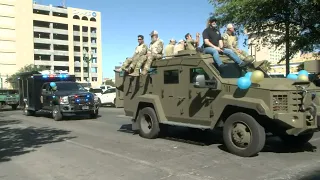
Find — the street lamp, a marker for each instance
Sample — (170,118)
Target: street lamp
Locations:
(87,59)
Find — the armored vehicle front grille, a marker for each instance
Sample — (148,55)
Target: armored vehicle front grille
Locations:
(80,100)
(280,102)
(10,99)
(295,103)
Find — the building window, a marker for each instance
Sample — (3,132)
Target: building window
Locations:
(76,17)
(94,70)
(94,60)
(93,19)
(94,79)
(84,18)
(171,77)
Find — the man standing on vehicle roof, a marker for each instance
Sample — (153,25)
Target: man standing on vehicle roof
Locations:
(213,45)
(154,52)
(192,44)
(139,54)
(169,48)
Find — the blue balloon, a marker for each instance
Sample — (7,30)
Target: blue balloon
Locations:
(248,75)
(303,72)
(292,76)
(53,84)
(244,83)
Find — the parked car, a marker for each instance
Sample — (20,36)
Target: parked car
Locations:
(108,97)
(106,87)
(96,91)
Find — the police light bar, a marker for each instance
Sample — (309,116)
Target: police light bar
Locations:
(55,75)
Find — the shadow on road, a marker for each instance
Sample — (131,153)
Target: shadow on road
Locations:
(16,141)
(311,176)
(65,118)
(208,137)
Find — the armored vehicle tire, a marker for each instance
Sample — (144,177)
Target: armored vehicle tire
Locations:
(94,114)
(243,135)
(56,113)
(14,107)
(148,123)
(299,140)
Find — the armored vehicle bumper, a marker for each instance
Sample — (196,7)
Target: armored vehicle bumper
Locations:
(299,122)
(78,109)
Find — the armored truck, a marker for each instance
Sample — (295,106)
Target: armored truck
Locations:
(9,97)
(57,94)
(188,90)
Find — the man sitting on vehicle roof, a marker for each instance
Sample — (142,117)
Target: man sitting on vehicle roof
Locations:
(213,45)
(154,52)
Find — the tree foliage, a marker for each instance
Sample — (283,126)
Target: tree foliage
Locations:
(27,68)
(266,19)
(110,83)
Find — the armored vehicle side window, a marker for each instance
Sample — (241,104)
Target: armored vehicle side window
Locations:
(171,77)
(197,71)
(44,87)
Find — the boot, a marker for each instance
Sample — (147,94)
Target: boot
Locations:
(257,64)
(135,73)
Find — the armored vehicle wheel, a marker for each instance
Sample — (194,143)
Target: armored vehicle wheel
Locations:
(148,123)
(299,140)
(243,135)
(56,114)
(94,114)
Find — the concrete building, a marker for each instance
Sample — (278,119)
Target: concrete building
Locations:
(55,37)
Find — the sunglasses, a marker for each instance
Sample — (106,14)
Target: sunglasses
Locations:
(139,39)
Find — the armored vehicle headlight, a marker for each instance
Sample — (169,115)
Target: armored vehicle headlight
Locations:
(64,100)
(275,101)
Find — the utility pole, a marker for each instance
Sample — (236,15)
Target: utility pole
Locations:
(87,59)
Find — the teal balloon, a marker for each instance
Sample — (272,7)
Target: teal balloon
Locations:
(248,75)
(303,72)
(292,76)
(53,84)
(244,83)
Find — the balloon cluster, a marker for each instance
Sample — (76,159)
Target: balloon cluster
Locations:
(249,78)
(302,76)
(53,85)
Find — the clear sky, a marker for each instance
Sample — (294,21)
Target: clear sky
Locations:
(123,20)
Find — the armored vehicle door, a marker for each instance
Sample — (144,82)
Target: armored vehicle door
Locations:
(45,96)
(171,93)
(201,100)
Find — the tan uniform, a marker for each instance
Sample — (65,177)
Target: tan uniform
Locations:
(231,42)
(155,52)
(169,50)
(190,44)
(139,53)
(178,47)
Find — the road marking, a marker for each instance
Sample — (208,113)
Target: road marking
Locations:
(121,156)
(122,116)
(146,163)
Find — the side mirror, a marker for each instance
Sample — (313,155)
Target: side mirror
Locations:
(201,82)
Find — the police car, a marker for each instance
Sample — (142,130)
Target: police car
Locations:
(55,93)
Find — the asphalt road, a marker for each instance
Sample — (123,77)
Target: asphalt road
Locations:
(38,148)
